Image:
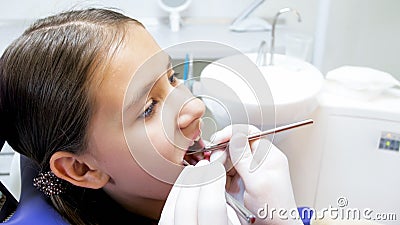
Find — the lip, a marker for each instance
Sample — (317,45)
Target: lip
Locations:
(194,138)
(192,159)
(196,134)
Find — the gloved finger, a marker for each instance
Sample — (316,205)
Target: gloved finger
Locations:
(226,133)
(221,135)
(223,157)
(252,129)
(240,154)
(167,215)
(212,202)
(186,206)
(188,197)
(218,156)
(260,149)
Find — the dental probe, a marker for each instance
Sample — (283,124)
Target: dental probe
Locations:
(194,149)
(238,207)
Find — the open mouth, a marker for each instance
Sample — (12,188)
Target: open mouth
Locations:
(192,159)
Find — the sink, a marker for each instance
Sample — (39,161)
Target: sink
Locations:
(294,85)
(289,90)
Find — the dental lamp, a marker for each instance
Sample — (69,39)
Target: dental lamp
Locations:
(244,23)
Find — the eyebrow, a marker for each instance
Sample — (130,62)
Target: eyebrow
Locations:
(145,89)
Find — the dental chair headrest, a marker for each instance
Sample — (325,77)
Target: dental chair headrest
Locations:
(33,209)
(2,143)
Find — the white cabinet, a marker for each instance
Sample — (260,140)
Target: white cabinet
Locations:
(6,157)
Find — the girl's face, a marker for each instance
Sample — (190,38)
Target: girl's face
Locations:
(144,121)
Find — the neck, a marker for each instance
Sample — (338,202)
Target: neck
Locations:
(149,208)
(146,207)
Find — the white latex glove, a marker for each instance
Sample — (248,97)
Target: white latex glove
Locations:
(198,197)
(263,171)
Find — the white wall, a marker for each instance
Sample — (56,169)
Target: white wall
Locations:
(364,33)
(199,12)
(356,32)
(32,9)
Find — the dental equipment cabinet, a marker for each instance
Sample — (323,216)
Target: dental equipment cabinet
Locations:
(350,158)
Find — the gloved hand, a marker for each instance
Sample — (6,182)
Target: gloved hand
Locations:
(198,197)
(258,174)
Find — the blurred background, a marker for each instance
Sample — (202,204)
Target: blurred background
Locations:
(358,32)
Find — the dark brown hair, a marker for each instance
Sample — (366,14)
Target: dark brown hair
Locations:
(46,81)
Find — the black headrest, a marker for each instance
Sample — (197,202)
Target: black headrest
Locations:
(1,143)
(33,208)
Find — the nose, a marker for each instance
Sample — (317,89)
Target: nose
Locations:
(191,111)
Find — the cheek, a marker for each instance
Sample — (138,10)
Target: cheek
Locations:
(113,154)
(166,136)
(167,141)
(130,179)
(161,142)
(149,144)
(129,175)
(161,135)
(156,157)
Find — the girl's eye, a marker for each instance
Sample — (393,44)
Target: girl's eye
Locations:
(172,78)
(150,109)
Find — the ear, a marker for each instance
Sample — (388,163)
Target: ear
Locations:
(77,171)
